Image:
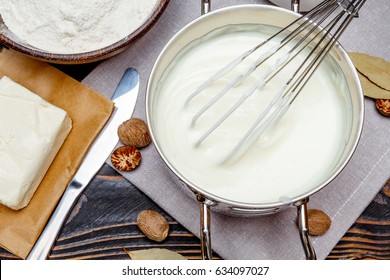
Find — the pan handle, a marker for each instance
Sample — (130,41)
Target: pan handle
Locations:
(205,232)
(206,6)
(304,230)
(295,6)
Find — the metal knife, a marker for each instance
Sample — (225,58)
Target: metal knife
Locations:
(124,97)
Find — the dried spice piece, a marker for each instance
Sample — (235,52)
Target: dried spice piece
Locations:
(319,222)
(372,90)
(134,132)
(153,225)
(154,254)
(383,106)
(126,158)
(376,69)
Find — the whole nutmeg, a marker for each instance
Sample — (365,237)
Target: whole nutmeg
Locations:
(126,158)
(153,225)
(319,222)
(134,132)
(383,106)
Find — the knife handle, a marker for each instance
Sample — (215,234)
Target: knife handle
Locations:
(46,240)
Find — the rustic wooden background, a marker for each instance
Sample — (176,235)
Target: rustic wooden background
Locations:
(102,224)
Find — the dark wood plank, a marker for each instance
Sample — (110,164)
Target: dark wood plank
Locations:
(77,72)
(369,236)
(102,224)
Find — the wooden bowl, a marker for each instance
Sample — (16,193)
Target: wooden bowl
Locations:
(10,41)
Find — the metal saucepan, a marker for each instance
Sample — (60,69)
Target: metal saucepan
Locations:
(250,14)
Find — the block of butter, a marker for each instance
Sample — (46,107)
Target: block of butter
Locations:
(32,131)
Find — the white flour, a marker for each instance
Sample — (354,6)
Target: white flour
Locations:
(74,26)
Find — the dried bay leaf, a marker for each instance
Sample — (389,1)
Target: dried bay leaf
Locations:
(154,254)
(375,69)
(372,90)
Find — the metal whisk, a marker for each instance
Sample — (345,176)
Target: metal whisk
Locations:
(303,33)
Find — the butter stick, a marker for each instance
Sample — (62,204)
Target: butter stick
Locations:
(32,132)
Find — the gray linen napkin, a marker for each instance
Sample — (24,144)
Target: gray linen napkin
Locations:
(275,236)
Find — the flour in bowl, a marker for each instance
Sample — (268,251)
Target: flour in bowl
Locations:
(74,26)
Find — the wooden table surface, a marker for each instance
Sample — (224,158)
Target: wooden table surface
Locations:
(102,222)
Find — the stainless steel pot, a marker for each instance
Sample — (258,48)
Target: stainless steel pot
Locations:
(251,14)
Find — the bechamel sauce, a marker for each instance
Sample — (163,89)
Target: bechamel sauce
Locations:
(293,158)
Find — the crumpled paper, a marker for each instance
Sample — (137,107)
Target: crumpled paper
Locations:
(19,230)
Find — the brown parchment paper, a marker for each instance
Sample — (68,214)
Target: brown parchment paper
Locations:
(88,110)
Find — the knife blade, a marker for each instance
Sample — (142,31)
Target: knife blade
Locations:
(124,97)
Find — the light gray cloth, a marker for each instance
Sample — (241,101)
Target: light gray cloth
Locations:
(275,236)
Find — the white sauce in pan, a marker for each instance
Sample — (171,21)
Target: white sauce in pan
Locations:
(296,156)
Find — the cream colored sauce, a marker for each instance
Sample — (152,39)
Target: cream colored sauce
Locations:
(296,156)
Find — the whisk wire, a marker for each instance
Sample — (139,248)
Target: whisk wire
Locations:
(282,100)
(273,70)
(230,66)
